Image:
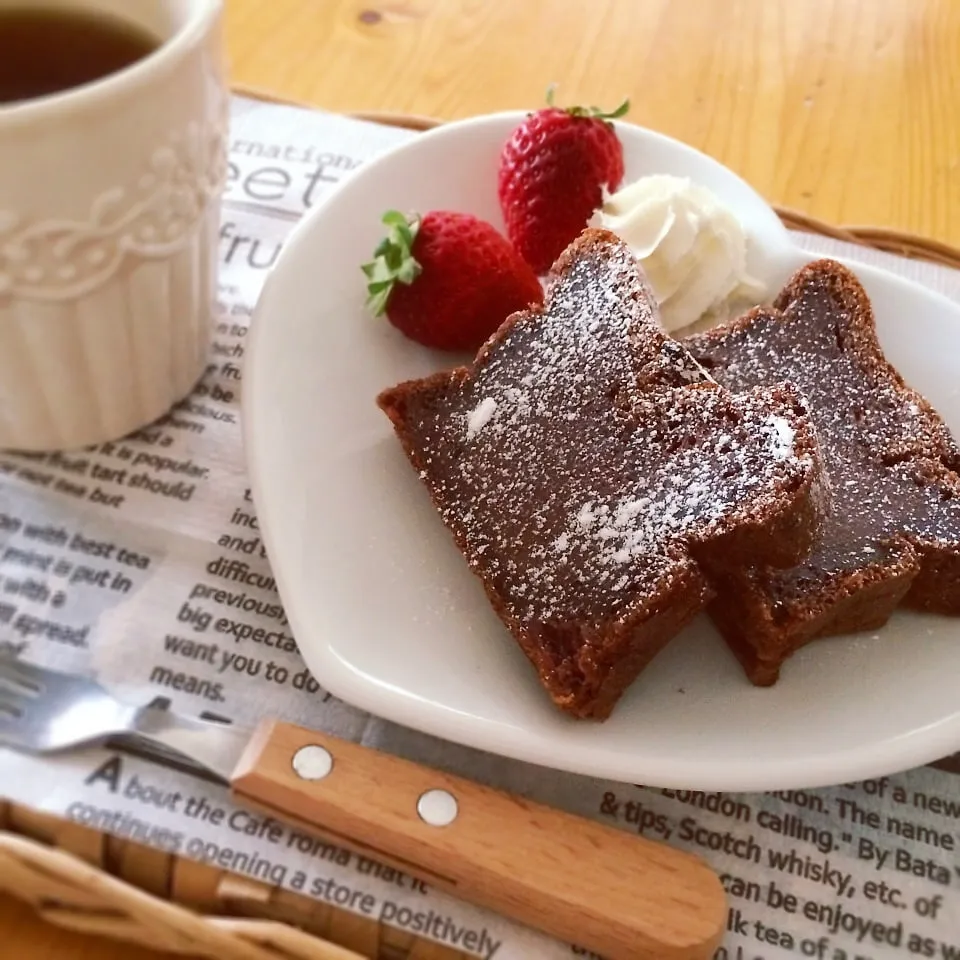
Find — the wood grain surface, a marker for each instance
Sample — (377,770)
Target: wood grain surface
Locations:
(846,109)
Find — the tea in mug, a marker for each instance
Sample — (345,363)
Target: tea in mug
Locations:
(46,50)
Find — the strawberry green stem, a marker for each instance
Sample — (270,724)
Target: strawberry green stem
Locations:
(393,260)
(595,113)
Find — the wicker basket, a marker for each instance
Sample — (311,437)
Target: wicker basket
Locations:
(83,880)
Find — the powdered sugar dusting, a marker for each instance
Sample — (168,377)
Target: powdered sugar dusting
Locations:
(783,435)
(480,416)
(600,451)
(891,462)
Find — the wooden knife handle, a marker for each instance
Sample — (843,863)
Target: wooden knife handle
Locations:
(585,883)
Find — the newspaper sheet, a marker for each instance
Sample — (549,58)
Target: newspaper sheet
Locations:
(141,562)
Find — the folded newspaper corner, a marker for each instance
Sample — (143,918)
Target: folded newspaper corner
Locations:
(141,562)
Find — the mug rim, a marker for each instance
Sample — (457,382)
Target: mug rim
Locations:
(92,94)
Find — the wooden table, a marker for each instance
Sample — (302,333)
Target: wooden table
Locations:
(845,110)
(848,110)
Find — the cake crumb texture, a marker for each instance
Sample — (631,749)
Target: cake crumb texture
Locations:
(589,469)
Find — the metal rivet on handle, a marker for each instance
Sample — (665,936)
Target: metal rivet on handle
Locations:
(437,807)
(312,762)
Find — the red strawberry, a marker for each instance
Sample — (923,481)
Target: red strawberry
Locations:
(552,171)
(447,280)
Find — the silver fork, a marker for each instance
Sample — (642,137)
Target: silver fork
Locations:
(44,711)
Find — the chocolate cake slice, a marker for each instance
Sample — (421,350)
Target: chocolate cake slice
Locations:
(892,530)
(586,466)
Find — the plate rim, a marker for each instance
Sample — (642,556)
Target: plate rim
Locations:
(896,753)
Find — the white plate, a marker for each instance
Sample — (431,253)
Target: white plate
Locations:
(382,605)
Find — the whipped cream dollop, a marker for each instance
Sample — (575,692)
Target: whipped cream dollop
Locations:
(692,248)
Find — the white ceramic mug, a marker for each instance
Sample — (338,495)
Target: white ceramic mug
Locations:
(109,214)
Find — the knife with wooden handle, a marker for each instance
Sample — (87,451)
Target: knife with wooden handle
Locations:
(614,893)
(604,889)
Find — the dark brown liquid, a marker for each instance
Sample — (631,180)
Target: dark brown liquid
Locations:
(51,49)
